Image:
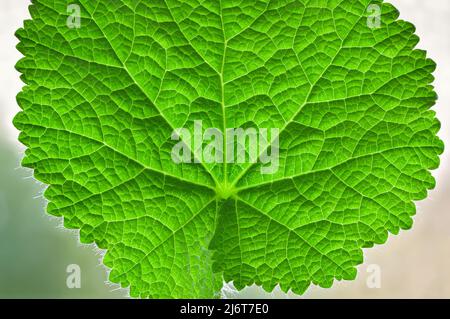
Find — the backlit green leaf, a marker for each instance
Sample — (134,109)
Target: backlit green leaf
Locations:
(351,102)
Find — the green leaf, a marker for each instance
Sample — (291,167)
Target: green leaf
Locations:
(352,105)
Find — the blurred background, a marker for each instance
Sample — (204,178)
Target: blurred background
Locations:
(35,250)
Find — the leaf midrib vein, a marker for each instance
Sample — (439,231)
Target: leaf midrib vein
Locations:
(243,173)
(143,91)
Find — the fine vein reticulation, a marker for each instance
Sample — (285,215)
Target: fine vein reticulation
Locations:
(352,105)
